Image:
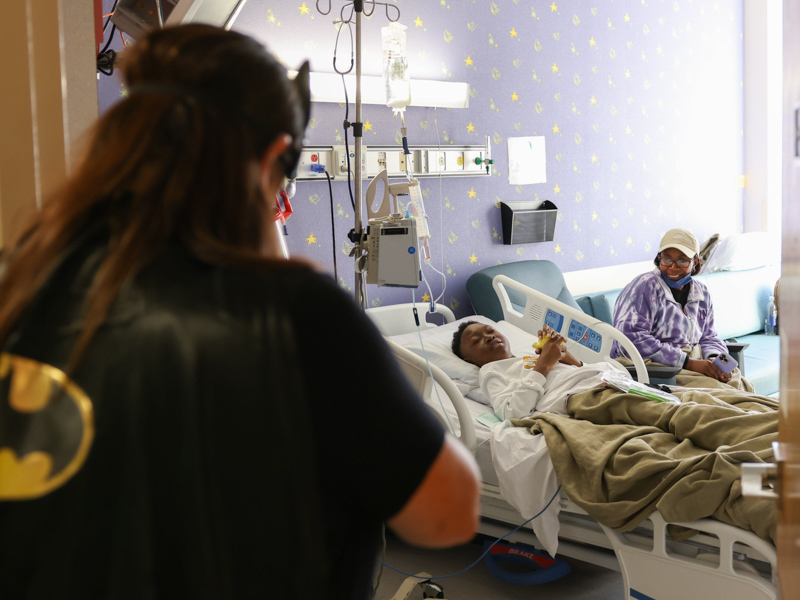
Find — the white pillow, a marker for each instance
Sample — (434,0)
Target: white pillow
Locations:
(438,341)
(743,251)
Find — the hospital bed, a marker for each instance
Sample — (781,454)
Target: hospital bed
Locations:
(721,561)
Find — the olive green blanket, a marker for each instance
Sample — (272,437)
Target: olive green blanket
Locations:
(621,456)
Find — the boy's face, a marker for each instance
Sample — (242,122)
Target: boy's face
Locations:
(481,344)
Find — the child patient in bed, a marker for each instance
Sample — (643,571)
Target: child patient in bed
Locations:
(521,386)
(683,459)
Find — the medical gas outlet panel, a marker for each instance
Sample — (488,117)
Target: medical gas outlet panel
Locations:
(423,161)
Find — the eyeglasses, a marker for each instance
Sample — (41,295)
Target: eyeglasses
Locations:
(681,262)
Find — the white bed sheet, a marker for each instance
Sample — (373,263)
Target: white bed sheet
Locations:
(518,462)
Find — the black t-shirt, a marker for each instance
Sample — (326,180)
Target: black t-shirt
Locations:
(191,487)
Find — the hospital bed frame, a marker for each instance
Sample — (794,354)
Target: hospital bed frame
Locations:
(721,561)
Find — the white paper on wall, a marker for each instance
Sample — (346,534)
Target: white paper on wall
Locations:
(527,161)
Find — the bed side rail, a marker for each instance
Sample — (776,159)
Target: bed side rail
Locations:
(395,319)
(416,370)
(655,572)
(589,339)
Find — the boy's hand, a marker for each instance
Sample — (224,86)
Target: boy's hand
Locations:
(566,357)
(552,352)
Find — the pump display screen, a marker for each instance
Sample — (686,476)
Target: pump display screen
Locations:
(585,336)
(554,320)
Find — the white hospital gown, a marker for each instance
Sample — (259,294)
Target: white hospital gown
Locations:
(517,391)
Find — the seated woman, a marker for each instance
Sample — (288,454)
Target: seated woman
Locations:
(669,317)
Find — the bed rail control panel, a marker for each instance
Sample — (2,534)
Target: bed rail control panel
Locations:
(585,336)
(554,320)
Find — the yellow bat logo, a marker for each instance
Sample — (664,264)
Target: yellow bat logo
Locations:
(53,428)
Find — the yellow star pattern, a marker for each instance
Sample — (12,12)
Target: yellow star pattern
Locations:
(468,60)
(311,239)
(470,127)
(592,42)
(627,17)
(472,193)
(555,128)
(558,248)
(426,297)
(514,96)
(593,100)
(368,126)
(594,216)
(513,32)
(556,189)
(473,258)
(418,21)
(303,9)
(594,158)
(553,7)
(555,68)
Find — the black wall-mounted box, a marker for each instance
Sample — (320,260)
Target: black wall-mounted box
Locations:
(528,222)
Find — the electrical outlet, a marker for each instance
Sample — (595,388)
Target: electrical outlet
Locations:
(314,162)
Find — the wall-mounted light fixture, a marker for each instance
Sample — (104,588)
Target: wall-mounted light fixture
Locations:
(327,87)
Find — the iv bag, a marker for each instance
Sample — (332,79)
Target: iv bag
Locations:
(395,66)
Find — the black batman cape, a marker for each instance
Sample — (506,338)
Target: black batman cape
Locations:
(243,423)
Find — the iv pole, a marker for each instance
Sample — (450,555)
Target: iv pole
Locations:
(357,235)
(357,135)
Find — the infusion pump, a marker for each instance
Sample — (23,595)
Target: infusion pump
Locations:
(393,252)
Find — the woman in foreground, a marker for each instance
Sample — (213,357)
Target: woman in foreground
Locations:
(171,422)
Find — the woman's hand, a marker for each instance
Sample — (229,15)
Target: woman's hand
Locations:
(708,368)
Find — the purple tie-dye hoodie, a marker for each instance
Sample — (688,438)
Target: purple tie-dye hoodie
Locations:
(648,314)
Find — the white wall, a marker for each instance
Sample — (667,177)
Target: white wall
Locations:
(763,74)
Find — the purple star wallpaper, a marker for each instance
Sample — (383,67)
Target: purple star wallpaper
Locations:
(640,103)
